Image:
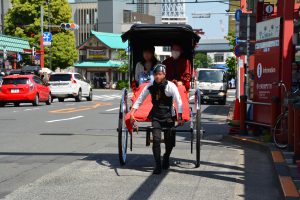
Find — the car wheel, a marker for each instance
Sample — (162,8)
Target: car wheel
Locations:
(90,97)
(36,101)
(222,102)
(2,104)
(61,99)
(17,104)
(78,98)
(49,101)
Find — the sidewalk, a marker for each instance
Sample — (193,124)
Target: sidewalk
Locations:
(228,171)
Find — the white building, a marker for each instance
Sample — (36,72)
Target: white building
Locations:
(173,12)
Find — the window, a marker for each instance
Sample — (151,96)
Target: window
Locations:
(15,81)
(37,80)
(219,58)
(60,77)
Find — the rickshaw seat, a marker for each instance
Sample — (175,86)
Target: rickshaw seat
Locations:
(141,115)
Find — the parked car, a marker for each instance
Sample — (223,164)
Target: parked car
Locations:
(70,85)
(23,89)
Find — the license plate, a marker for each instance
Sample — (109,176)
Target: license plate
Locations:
(15,91)
(206,97)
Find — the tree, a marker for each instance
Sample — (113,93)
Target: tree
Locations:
(124,58)
(202,60)
(23,20)
(232,65)
(232,40)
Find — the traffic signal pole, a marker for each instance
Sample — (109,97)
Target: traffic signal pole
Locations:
(246,82)
(41,38)
(49,28)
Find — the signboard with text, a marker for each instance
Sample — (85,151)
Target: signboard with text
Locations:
(268,29)
(97,54)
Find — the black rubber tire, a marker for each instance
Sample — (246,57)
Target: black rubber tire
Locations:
(2,104)
(90,97)
(198,137)
(222,102)
(49,101)
(78,98)
(122,135)
(36,101)
(61,99)
(16,104)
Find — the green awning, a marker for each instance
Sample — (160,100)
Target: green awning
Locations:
(13,44)
(104,63)
(112,40)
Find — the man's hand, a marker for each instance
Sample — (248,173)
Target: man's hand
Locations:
(132,119)
(180,120)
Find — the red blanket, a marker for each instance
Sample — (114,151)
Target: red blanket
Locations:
(142,113)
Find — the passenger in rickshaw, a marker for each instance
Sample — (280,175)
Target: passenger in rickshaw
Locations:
(144,69)
(178,67)
(162,114)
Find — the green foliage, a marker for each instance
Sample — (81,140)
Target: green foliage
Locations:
(122,84)
(232,65)
(124,57)
(232,40)
(23,20)
(202,60)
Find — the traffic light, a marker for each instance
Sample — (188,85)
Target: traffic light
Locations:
(33,51)
(69,26)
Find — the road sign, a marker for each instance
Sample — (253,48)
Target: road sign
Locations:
(268,9)
(47,36)
(47,43)
(238,14)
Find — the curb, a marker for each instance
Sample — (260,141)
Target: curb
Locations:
(288,186)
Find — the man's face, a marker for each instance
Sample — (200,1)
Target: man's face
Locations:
(159,77)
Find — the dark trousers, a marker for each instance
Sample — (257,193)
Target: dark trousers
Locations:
(157,129)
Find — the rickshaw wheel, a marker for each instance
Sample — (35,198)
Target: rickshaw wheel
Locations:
(197,126)
(122,130)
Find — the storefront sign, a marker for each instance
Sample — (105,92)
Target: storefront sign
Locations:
(266,73)
(269,29)
(97,54)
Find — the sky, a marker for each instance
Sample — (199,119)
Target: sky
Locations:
(214,27)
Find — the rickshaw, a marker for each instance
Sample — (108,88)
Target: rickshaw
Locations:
(158,35)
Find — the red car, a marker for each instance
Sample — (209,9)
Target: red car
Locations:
(24,88)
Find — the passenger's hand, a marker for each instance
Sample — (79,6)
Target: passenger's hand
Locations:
(132,119)
(180,120)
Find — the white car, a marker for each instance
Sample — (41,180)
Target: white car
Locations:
(70,85)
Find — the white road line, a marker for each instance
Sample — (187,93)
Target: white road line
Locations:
(67,119)
(29,109)
(112,109)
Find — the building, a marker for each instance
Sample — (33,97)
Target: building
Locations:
(116,16)
(4,6)
(99,57)
(10,47)
(173,12)
(85,14)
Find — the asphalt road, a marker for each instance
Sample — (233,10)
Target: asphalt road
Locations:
(69,151)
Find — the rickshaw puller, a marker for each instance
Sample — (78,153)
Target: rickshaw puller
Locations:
(162,114)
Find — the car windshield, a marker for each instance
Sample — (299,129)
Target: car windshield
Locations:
(60,77)
(15,81)
(210,76)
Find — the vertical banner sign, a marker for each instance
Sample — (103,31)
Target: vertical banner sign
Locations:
(266,71)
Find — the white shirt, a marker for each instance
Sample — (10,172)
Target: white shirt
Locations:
(170,91)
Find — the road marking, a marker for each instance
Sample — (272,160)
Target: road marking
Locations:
(81,108)
(67,119)
(112,109)
(29,109)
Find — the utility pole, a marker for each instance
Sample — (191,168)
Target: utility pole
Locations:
(246,82)
(49,28)
(2,17)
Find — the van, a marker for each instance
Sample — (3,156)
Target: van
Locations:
(212,84)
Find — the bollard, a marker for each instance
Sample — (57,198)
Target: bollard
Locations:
(297,132)
(243,114)
(291,103)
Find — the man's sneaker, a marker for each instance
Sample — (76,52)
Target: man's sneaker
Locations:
(157,170)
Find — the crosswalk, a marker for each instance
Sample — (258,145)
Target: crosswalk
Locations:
(109,97)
